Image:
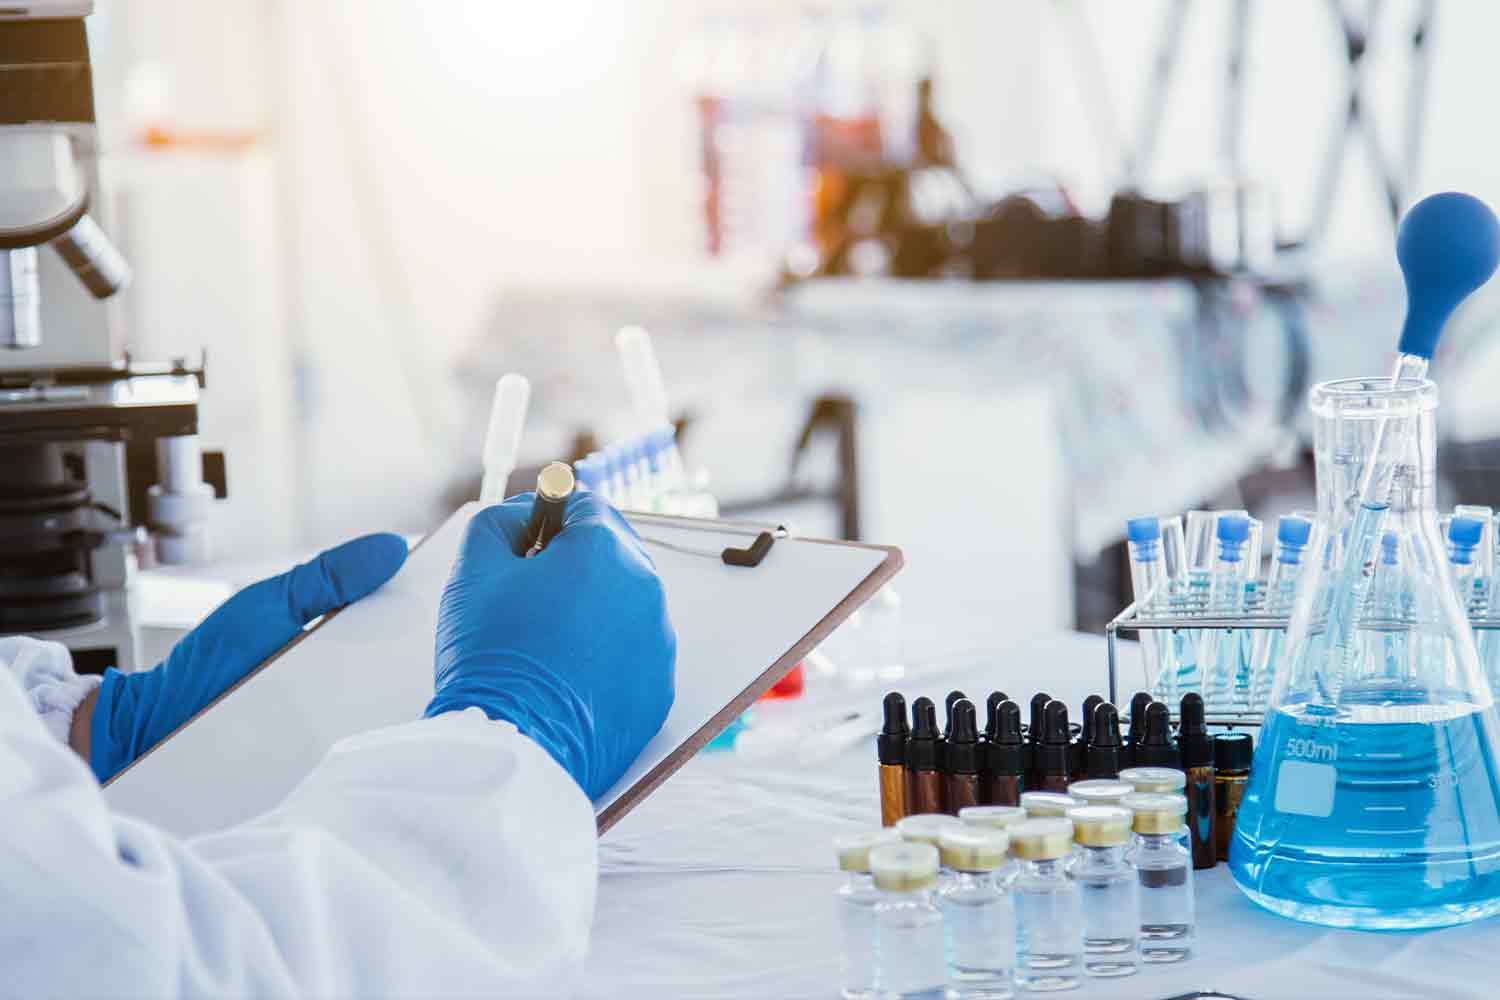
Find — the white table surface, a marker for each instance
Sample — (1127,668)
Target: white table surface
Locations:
(721,884)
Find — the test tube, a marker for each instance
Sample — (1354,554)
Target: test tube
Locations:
(1151,590)
(1464,536)
(1484,556)
(1177,565)
(1293,533)
(1227,596)
(502,442)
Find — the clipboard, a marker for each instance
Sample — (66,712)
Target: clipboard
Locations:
(740,628)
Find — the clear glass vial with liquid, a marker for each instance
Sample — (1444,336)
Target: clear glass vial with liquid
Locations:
(1372,800)
(979,917)
(1107,887)
(910,961)
(1164,873)
(855,903)
(1048,907)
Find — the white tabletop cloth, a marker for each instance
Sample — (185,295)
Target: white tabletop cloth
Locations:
(721,883)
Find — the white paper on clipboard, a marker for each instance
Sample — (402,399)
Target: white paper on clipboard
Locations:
(739,629)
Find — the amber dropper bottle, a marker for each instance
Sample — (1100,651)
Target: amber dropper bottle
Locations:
(924,785)
(1053,765)
(1155,748)
(1104,749)
(1137,732)
(890,747)
(1080,755)
(1003,770)
(1196,748)
(1034,737)
(961,760)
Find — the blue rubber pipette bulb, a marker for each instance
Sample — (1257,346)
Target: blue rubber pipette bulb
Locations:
(1448,245)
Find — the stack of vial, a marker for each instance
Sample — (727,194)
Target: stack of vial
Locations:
(1213,570)
(1003,898)
(645,473)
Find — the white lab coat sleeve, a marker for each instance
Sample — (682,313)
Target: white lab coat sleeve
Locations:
(447,856)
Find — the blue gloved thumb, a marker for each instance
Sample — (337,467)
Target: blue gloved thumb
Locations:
(135,711)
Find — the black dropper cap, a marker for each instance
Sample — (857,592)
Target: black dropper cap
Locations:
(1052,756)
(890,745)
(991,710)
(954,697)
(1038,724)
(1104,748)
(1194,745)
(963,742)
(1138,706)
(1004,752)
(921,745)
(1155,748)
(1085,733)
(1233,751)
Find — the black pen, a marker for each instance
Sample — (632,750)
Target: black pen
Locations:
(554,484)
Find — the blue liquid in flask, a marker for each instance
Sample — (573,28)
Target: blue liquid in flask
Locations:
(1383,814)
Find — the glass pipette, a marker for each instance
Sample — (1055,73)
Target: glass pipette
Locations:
(1448,245)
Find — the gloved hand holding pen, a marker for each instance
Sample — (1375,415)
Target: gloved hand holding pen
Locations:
(572,646)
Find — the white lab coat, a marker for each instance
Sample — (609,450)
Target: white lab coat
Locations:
(444,856)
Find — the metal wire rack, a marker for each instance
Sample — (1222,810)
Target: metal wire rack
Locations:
(1132,620)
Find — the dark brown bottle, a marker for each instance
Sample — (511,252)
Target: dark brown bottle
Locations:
(1155,748)
(1104,748)
(1079,761)
(1232,756)
(1196,749)
(1003,765)
(1053,763)
(1034,737)
(1137,732)
(961,761)
(924,785)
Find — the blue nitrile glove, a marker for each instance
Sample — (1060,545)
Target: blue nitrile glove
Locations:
(135,711)
(573,645)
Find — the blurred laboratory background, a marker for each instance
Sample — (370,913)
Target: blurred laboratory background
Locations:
(979,278)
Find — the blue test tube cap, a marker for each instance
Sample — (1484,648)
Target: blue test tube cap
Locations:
(1464,534)
(1448,245)
(1233,531)
(1144,533)
(1292,534)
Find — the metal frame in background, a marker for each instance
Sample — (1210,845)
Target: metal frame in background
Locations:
(1129,620)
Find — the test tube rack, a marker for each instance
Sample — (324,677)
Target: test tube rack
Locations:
(1254,619)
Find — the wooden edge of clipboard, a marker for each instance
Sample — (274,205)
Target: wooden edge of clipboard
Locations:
(653,778)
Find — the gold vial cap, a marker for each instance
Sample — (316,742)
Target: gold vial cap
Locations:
(1100,826)
(1042,839)
(1000,817)
(904,867)
(1040,805)
(1155,812)
(969,848)
(925,828)
(853,849)
(1100,791)
(1155,779)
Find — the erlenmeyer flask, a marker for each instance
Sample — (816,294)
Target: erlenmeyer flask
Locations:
(1374,800)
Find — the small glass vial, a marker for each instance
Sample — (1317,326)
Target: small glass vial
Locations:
(997,818)
(1164,871)
(1048,909)
(1107,883)
(1100,791)
(1048,805)
(910,962)
(978,915)
(856,900)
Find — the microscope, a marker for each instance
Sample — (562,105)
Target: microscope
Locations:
(100,463)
